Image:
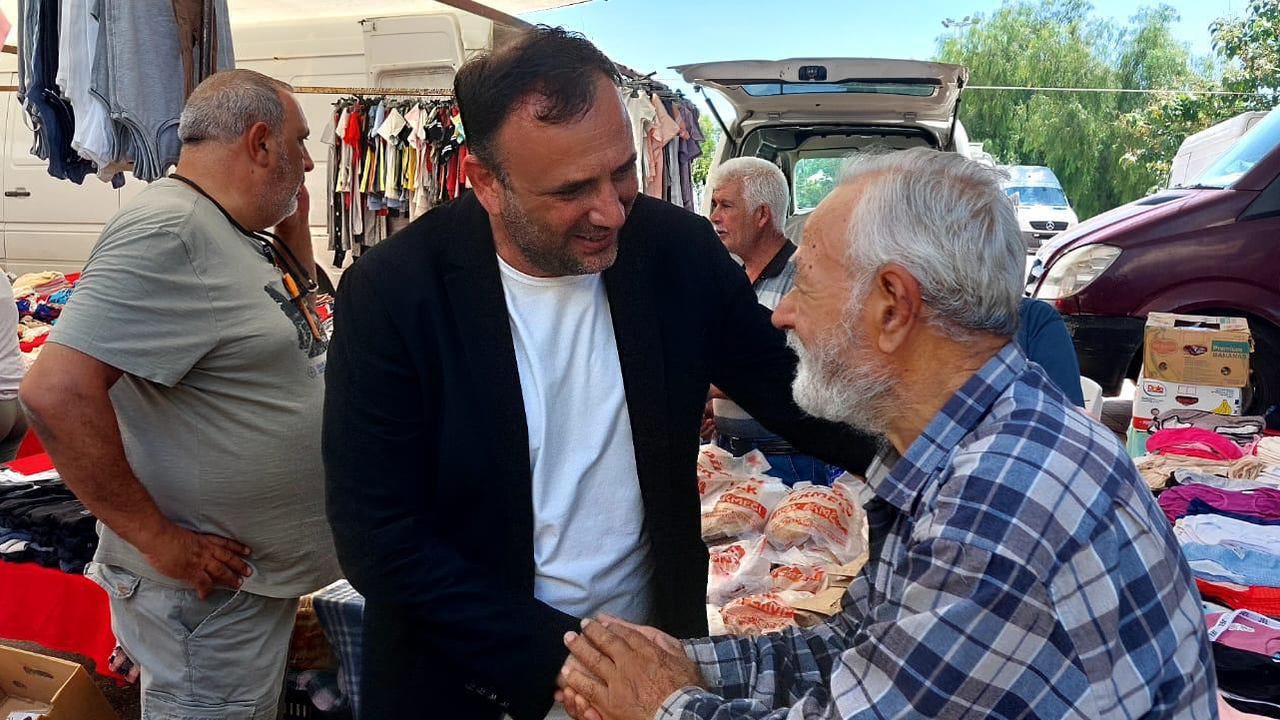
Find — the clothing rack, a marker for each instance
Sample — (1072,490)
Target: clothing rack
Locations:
(372,91)
(653,87)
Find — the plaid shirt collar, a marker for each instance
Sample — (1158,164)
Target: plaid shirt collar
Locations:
(901,479)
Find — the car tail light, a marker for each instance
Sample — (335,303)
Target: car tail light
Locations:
(1075,270)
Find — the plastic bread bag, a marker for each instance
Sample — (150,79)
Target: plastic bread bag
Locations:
(758,614)
(715,460)
(753,463)
(805,578)
(717,471)
(743,509)
(824,520)
(739,569)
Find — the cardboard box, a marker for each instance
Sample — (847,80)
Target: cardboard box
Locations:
(50,688)
(1197,349)
(1153,397)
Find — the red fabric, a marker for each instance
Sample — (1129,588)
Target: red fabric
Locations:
(60,611)
(1264,600)
(32,464)
(29,346)
(30,445)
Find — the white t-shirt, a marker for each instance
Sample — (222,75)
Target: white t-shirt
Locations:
(11,370)
(590,548)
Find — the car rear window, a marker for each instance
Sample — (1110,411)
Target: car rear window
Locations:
(814,178)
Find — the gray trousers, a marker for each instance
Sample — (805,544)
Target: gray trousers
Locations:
(13,427)
(221,658)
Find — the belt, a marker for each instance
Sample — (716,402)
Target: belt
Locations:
(739,446)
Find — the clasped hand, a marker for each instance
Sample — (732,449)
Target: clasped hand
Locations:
(620,671)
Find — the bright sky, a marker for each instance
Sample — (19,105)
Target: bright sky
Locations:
(650,35)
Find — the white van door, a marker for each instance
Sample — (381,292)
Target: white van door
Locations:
(49,224)
(414,51)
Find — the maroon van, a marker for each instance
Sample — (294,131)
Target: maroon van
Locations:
(1212,248)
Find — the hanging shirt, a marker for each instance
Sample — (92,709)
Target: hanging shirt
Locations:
(642,116)
(664,129)
(591,551)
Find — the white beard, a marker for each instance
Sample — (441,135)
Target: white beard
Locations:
(860,394)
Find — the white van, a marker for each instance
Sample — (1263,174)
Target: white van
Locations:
(1199,151)
(50,224)
(1043,208)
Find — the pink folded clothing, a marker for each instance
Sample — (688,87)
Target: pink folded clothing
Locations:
(1194,442)
(1262,503)
(1245,630)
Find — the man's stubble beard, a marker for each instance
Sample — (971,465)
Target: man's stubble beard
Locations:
(550,254)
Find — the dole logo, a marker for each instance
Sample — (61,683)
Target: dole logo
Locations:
(1154,389)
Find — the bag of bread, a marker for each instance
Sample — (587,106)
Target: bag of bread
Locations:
(818,519)
(743,509)
(758,614)
(753,463)
(738,569)
(717,470)
(806,578)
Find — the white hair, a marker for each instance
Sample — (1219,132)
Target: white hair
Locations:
(946,220)
(762,184)
(226,104)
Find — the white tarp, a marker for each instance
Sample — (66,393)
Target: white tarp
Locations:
(259,11)
(256,11)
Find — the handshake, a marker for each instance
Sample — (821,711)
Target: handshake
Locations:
(620,671)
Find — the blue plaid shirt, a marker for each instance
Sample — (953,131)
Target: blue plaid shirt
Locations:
(1020,568)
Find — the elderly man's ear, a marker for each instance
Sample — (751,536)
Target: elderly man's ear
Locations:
(892,308)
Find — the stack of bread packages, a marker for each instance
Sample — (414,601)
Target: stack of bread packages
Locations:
(780,556)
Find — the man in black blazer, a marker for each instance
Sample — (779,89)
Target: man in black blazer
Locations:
(515,387)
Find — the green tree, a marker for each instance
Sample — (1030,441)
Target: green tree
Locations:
(815,179)
(710,136)
(1080,135)
(1248,61)
(1251,48)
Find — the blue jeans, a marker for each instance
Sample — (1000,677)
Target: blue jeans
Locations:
(794,468)
(790,468)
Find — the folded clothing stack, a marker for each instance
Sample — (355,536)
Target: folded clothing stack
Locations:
(42,522)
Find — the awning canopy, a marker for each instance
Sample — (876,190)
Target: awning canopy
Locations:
(254,11)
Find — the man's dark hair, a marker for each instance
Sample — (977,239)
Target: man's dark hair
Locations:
(559,67)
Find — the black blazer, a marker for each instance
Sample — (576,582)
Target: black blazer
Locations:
(427,459)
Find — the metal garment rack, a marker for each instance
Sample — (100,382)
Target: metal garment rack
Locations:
(373,91)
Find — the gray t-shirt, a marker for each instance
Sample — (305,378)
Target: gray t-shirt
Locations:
(220,404)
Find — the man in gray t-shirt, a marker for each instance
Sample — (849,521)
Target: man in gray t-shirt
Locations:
(180,397)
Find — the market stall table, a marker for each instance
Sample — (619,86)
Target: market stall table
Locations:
(57,610)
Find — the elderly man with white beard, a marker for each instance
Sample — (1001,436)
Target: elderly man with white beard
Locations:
(1020,568)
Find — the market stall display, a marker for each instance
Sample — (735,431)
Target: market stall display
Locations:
(779,556)
(1218,482)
